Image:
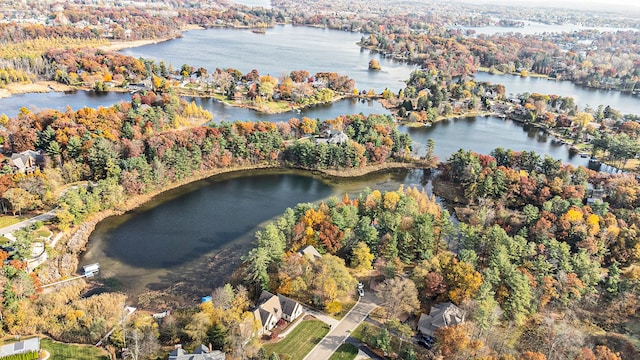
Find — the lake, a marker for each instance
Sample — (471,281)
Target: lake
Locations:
(279,51)
(222,112)
(59,101)
(483,134)
(190,240)
(583,96)
(532,27)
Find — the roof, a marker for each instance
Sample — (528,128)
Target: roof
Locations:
(270,303)
(263,315)
(20,347)
(310,252)
(26,159)
(443,314)
(200,353)
(332,137)
(288,305)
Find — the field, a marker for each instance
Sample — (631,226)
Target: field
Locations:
(345,352)
(300,341)
(62,351)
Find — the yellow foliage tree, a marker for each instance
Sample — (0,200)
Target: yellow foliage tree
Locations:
(391,200)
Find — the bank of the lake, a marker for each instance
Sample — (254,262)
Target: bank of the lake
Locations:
(304,48)
(79,238)
(35,87)
(267,107)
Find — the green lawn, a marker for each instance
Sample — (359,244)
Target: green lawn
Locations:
(300,341)
(8,220)
(345,352)
(62,351)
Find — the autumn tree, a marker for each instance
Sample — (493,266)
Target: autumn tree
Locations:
(399,295)
(361,258)
(455,342)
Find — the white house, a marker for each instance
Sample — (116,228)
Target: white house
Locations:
(272,308)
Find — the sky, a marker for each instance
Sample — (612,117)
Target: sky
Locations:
(577,4)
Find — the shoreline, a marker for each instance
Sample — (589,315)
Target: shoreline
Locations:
(261,108)
(35,87)
(77,238)
(45,86)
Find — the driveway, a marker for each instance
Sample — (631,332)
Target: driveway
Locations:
(43,217)
(341,331)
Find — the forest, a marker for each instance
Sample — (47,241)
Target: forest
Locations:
(542,254)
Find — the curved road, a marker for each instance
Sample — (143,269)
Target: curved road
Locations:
(340,332)
(42,217)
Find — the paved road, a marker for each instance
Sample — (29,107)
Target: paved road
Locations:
(43,217)
(340,332)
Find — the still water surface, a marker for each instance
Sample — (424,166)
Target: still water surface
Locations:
(583,96)
(59,101)
(190,240)
(279,51)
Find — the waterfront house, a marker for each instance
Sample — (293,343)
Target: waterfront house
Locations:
(332,137)
(272,308)
(443,314)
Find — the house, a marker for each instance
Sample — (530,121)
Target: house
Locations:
(26,161)
(20,347)
(310,252)
(291,309)
(268,311)
(272,308)
(443,314)
(332,137)
(201,353)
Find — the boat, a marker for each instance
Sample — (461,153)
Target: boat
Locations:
(259,31)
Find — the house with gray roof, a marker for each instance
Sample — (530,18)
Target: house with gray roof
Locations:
(332,137)
(26,162)
(200,353)
(291,309)
(440,315)
(272,308)
(310,252)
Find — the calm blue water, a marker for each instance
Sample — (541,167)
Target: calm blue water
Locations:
(583,96)
(279,51)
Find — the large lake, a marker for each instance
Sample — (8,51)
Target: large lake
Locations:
(190,240)
(532,27)
(279,51)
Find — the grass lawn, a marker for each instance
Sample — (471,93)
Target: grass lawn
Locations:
(348,305)
(345,352)
(62,351)
(300,341)
(10,220)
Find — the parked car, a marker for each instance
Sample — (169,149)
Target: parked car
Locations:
(425,344)
(426,338)
(361,292)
